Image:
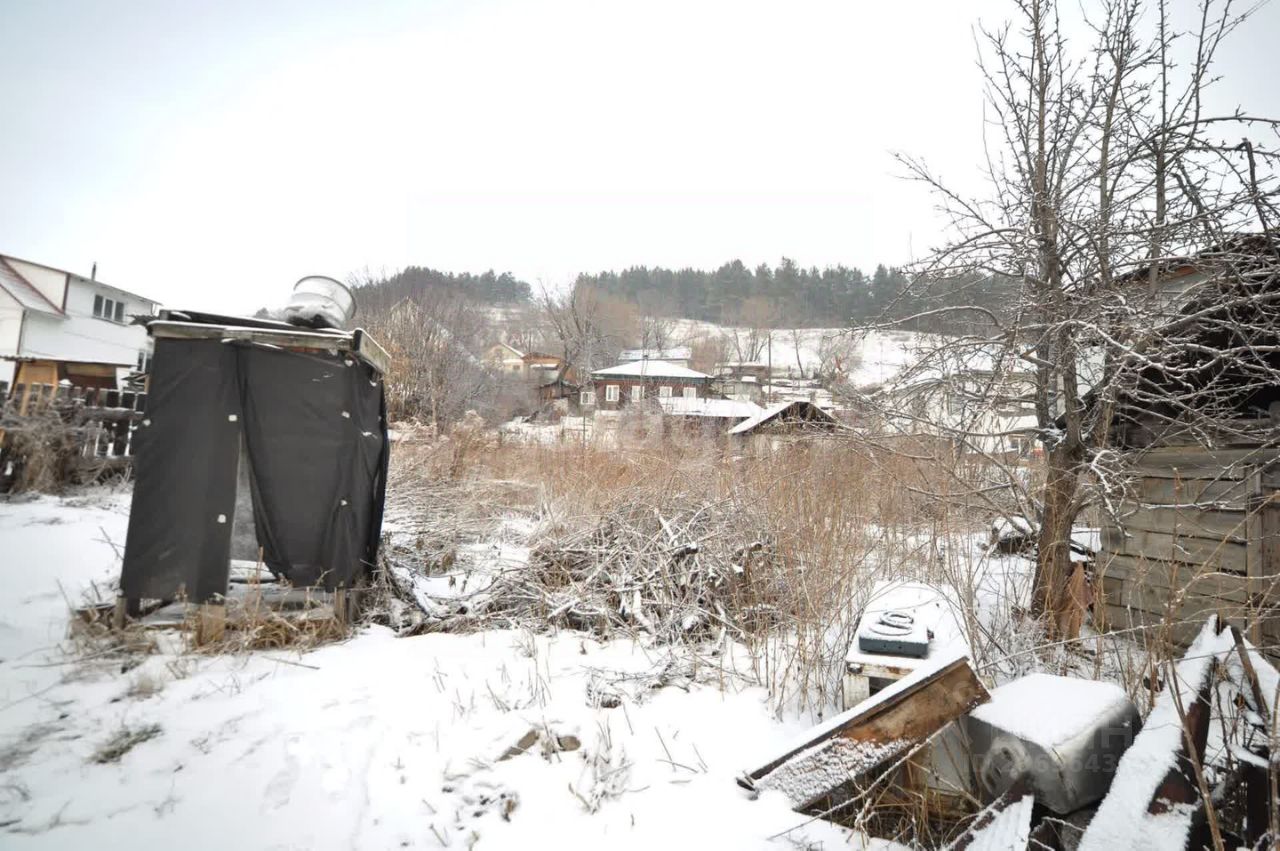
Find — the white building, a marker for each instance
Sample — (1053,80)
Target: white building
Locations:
(52,314)
(678,355)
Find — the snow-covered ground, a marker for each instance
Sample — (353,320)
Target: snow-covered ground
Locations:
(869,358)
(495,739)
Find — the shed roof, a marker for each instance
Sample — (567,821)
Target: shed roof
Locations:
(726,409)
(800,409)
(650,369)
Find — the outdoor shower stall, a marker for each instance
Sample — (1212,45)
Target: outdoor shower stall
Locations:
(263,444)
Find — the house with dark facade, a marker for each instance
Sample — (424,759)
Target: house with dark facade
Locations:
(632,382)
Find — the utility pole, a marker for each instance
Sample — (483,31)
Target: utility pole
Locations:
(768,394)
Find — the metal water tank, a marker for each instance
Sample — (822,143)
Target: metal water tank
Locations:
(1063,735)
(319,301)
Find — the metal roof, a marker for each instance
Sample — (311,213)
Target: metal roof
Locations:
(812,414)
(727,409)
(650,369)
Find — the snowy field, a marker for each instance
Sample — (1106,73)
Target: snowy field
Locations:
(870,357)
(493,740)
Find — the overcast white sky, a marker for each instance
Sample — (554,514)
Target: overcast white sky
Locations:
(209,154)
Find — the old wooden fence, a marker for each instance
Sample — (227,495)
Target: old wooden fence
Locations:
(102,423)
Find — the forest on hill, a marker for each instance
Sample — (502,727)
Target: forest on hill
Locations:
(782,296)
(790,296)
(379,293)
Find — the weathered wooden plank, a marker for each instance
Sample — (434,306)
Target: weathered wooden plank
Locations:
(358,343)
(1175,605)
(1194,462)
(1150,625)
(861,740)
(1171,575)
(1213,524)
(1221,555)
(1230,494)
(1253,552)
(370,351)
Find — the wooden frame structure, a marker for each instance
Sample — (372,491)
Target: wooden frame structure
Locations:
(1198,534)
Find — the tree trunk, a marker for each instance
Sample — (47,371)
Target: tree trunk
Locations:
(1053,560)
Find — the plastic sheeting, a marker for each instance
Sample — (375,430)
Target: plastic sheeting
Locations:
(314,428)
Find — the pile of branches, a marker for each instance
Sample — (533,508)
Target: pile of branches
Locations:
(688,571)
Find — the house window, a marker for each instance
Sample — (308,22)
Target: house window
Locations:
(691,392)
(611,393)
(144,361)
(587,398)
(664,392)
(107,308)
(637,392)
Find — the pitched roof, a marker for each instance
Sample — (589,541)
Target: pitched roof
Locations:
(728,409)
(673,353)
(807,410)
(23,292)
(512,349)
(650,369)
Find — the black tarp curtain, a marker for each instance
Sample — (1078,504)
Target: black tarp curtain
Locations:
(314,429)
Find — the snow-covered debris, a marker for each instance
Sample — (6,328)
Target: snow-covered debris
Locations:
(1134,815)
(1012,534)
(816,772)
(934,608)
(1003,825)
(860,740)
(1063,735)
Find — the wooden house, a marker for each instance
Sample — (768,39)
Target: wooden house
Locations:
(786,418)
(1198,528)
(710,417)
(632,382)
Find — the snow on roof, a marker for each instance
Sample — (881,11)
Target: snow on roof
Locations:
(678,406)
(775,410)
(509,348)
(651,369)
(23,292)
(674,353)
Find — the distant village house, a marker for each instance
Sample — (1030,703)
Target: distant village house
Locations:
(632,382)
(58,326)
(677,355)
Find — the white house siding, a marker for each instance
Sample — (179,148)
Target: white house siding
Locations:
(10,333)
(83,337)
(50,282)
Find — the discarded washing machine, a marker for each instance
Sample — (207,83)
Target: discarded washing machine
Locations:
(1063,735)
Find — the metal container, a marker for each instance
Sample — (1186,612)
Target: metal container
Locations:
(1064,735)
(320,302)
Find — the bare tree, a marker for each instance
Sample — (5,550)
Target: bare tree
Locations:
(583,323)
(753,321)
(435,372)
(1102,173)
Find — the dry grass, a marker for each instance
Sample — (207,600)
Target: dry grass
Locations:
(124,740)
(689,539)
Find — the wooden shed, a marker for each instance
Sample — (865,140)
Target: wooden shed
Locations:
(1197,530)
(1199,533)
